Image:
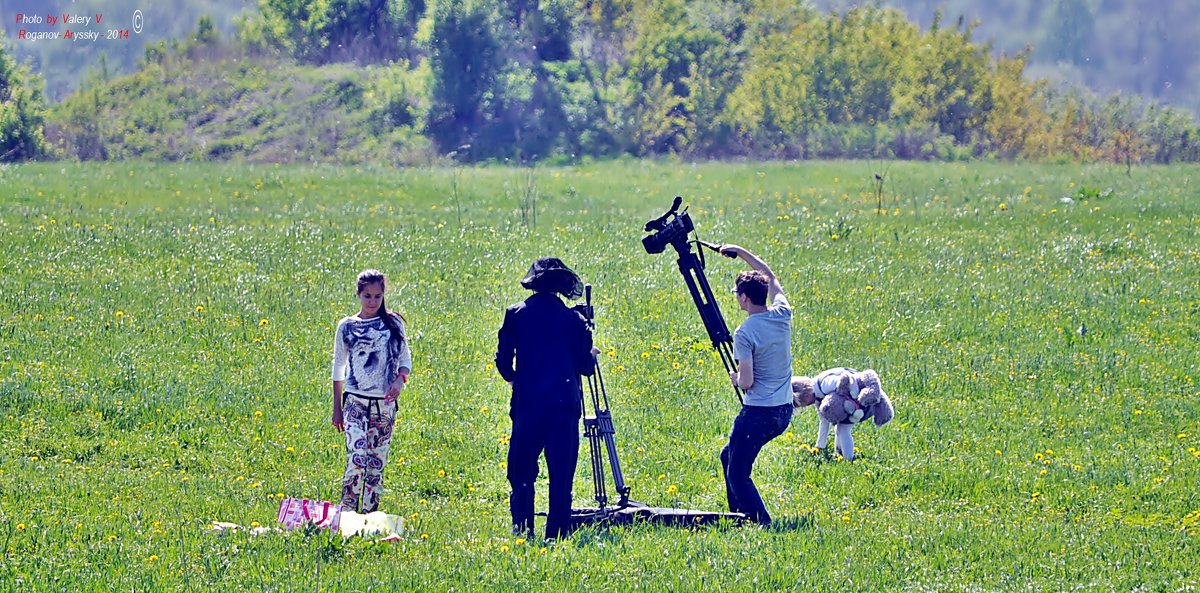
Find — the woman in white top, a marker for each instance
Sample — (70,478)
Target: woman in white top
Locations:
(371,363)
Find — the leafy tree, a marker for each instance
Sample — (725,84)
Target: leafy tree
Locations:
(465,59)
(22,110)
(1011,125)
(775,107)
(322,31)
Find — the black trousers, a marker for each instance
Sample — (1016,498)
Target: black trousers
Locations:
(753,428)
(558,435)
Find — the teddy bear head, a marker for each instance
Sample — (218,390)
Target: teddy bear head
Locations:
(870,392)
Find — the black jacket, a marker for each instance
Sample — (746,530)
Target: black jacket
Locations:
(544,346)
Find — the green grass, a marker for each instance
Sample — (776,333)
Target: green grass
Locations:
(165,335)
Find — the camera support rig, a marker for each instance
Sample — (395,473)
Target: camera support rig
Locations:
(599,430)
(598,427)
(672,228)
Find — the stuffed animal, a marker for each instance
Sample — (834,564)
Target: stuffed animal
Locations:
(849,396)
(845,397)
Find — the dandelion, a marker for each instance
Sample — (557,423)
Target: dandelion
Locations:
(254,524)
(152,558)
(675,365)
(424,536)
(263,322)
(20,527)
(672,489)
(645,355)
(1003,206)
(441,473)
(520,540)
(199,308)
(869,288)
(120,313)
(290,450)
(258,413)
(662,476)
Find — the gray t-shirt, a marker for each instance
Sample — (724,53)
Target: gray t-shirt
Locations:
(767,339)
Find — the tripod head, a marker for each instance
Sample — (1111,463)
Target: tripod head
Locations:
(585,308)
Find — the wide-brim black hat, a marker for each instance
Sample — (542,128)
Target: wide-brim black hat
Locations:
(551,274)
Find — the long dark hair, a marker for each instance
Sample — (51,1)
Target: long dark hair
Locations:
(371,277)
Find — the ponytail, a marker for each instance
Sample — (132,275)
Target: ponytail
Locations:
(397,335)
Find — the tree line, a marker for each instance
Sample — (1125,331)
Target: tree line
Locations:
(558,80)
(1135,47)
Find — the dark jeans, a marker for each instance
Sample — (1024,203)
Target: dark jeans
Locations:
(754,427)
(558,436)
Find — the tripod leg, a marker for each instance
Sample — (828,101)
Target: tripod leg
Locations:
(710,313)
(591,429)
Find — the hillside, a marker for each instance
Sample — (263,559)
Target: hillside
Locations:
(260,109)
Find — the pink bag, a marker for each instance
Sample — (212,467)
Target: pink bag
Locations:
(296,512)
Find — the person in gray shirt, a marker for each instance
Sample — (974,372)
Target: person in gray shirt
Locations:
(762,346)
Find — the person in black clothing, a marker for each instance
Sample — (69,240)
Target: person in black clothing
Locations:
(544,347)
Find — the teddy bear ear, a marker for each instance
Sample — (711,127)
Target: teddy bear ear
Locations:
(870,377)
(884,412)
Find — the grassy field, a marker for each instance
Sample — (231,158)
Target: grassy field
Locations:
(165,335)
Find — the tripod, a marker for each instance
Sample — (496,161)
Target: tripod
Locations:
(692,267)
(598,427)
(599,430)
(672,229)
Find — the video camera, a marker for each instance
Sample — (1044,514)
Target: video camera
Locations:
(671,228)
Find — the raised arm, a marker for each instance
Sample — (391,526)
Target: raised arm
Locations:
(774,288)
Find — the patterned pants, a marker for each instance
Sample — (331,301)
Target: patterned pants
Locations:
(368,438)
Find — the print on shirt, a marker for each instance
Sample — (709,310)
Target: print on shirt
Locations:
(367,343)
